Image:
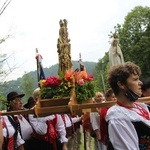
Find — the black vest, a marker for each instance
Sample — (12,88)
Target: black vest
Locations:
(143,132)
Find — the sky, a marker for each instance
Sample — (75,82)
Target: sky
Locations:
(35,24)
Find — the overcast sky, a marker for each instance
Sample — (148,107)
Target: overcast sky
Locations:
(35,24)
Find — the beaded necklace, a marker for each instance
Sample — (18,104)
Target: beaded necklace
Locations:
(141,111)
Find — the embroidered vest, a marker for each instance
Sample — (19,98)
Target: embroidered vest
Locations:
(17,124)
(69,130)
(87,126)
(10,143)
(143,132)
(103,125)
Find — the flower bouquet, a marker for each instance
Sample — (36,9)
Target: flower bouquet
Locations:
(84,86)
(55,87)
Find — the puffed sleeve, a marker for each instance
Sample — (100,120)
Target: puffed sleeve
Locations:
(38,124)
(76,119)
(60,128)
(123,139)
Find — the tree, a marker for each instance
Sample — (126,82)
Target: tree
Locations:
(134,37)
(2,101)
(101,73)
(5,72)
(27,86)
(4,5)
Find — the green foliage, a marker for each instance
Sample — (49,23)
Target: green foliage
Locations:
(134,37)
(101,73)
(27,85)
(84,92)
(48,92)
(2,102)
(65,88)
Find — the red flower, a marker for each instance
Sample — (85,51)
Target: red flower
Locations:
(52,81)
(89,78)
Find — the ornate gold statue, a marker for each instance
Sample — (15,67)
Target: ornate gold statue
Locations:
(64,48)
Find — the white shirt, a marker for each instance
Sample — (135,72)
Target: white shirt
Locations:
(69,121)
(26,128)
(122,133)
(95,120)
(11,131)
(40,126)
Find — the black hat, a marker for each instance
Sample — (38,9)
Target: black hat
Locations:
(12,95)
(31,102)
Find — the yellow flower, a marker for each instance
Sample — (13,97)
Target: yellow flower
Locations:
(42,83)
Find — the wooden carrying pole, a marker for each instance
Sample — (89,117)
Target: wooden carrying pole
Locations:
(82,108)
(75,109)
(26,111)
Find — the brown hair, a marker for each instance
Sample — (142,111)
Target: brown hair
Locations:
(121,73)
(109,92)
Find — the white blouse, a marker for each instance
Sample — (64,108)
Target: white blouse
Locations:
(40,126)
(26,128)
(121,130)
(11,131)
(69,121)
(95,120)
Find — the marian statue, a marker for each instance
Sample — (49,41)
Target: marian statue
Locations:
(64,48)
(115,53)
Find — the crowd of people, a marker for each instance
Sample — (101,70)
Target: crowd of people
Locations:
(125,125)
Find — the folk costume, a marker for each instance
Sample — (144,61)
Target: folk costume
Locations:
(12,138)
(95,121)
(78,133)
(14,101)
(87,128)
(24,128)
(70,129)
(135,120)
(103,125)
(49,132)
